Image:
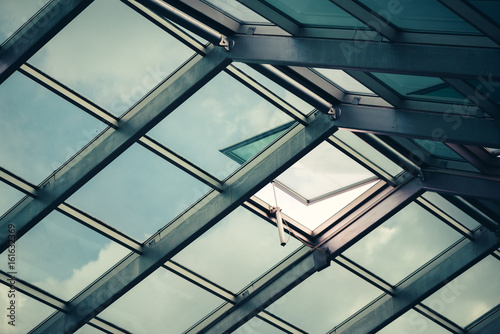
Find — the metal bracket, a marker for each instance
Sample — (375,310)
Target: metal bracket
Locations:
(334,112)
(226,43)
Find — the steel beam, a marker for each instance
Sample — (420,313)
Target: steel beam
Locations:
(436,127)
(36,32)
(467,62)
(191,225)
(149,112)
(427,281)
(475,95)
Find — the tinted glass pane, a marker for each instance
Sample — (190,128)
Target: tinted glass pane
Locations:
(428,88)
(39,131)
(470,295)
(422,15)
(161,303)
(486,88)
(62,256)
(138,193)
(344,81)
(318,13)
(324,300)
(87,329)
(8,197)
(257,326)
(438,149)
(413,322)
(112,59)
(402,244)
(28,311)
(237,11)
(451,210)
(241,247)
(490,8)
(14,14)
(221,114)
(322,171)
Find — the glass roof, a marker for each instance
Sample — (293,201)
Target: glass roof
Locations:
(141,172)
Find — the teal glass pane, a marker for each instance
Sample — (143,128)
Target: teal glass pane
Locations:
(470,295)
(39,131)
(62,256)
(28,311)
(138,193)
(237,250)
(237,11)
(421,15)
(114,60)
(221,114)
(343,81)
(323,171)
(428,88)
(13,14)
(318,13)
(257,326)
(314,214)
(490,8)
(451,210)
(161,303)
(402,244)
(8,197)
(413,322)
(324,300)
(486,89)
(437,149)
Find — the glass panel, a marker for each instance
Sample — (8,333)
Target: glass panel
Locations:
(422,15)
(368,151)
(451,210)
(323,170)
(402,244)
(112,59)
(490,8)
(486,88)
(28,312)
(312,215)
(161,303)
(257,326)
(412,322)
(237,11)
(87,329)
(318,13)
(470,295)
(8,197)
(138,193)
(284,94)
(39,131)
(437,149)
(241,247)
(324,300)
(15,13)
(428,88)
(343,81)
(62,256)
(221,114)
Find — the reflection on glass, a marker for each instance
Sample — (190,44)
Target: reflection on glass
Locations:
(237,11)
(304,107)
(413,322)
(138,193)
(161,303)
(421,15)
(39,130)
(437,149)
(470,295)
(402,244)
(62,256)
(241,247)
(29,312)
(324,300)
(112,59)
(490,8)
(312,215)
(219,115)
(323,170)
(344,81)
(8,197)
(318,13)
(15,13)
(412,86)
(451,210)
